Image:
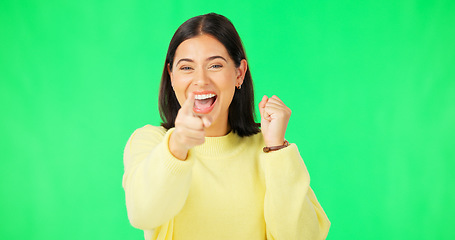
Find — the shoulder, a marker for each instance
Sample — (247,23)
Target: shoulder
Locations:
(147,135)
(141,142)
(149,130)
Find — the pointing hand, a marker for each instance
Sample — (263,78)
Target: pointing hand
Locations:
(189,129)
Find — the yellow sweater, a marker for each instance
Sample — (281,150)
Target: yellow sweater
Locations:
(226,189)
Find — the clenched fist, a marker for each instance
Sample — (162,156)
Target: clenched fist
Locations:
(274,120)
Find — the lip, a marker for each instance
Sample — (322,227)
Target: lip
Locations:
(206,110)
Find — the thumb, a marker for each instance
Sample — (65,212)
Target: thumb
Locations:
(262,105)
(206,120)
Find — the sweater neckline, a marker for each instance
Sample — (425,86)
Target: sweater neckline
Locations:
(220,147)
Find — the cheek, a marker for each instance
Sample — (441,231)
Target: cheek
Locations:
(228,80)
(180,80)
(228,86)
(180,84)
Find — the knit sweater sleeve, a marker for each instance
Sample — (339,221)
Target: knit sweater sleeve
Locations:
(291,210)
(156,183)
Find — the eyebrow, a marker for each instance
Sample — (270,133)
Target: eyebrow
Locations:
(215,57)
(208,59)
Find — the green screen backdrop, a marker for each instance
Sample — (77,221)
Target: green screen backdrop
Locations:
(371,85)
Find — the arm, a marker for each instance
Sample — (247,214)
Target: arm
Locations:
(156,183)
(158,169)
(291,210)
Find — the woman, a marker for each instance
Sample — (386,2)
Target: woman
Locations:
(209,172)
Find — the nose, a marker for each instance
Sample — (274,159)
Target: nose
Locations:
(201,78)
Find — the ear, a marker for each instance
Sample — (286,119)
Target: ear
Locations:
(241,71)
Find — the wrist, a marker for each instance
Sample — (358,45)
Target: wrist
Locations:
(275,142)
(276,147)
(178,152)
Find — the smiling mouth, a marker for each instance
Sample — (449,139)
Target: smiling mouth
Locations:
(204,103)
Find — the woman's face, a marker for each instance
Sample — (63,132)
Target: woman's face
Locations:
(203,66)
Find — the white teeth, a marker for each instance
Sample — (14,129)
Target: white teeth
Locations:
(204,96)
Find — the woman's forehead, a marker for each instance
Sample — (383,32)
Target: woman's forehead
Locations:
(201,48)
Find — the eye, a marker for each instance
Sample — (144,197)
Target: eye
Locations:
(216,66)
(186,68)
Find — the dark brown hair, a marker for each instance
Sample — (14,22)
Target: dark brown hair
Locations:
(241,110)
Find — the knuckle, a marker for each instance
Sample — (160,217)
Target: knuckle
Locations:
(184,138)
(200,135)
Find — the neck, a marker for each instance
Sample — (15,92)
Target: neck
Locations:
(220,147)
(218,129)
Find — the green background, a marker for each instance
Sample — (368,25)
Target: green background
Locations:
(371,85)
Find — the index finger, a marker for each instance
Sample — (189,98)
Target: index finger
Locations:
(189,103)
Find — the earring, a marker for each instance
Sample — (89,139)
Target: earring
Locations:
(239,86)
